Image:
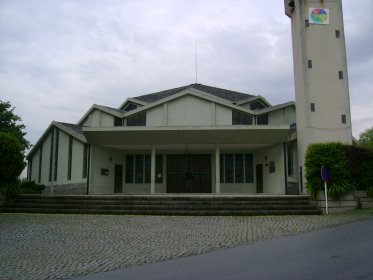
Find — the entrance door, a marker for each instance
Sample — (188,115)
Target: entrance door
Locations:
(259,178)
(189,174)
(118,178)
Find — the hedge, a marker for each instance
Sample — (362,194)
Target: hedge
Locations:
(350,167)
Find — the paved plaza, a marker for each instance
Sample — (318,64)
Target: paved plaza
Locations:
(36,246)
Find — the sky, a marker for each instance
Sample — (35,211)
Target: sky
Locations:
(58,58)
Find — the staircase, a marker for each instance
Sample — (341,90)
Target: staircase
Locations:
(192,205)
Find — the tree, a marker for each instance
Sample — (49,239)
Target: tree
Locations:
(11,158)
(366,136)
(10,123)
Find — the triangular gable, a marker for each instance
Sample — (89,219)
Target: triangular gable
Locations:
(192,92)
(68,130)
(276,107)
(129,101)
(111,111)
(255,98)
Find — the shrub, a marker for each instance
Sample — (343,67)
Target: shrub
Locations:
(11,158)
(333,156)
(365,176)
(12,188)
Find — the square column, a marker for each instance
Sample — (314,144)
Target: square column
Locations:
(152,171)
(217,168)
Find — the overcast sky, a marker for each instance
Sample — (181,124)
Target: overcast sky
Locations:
(57,58)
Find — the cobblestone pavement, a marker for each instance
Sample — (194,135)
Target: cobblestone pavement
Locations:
(37,246)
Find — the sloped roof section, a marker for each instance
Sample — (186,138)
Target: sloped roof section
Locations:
(76,128)
(229,95)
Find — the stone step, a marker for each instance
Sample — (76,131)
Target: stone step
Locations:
(165,212)
(176,197)
(164,204)
(182,206)
(161,202)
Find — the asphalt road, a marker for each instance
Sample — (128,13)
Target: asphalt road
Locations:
(343,252)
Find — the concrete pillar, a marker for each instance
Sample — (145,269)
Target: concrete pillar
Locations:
(217,168)
(152,172)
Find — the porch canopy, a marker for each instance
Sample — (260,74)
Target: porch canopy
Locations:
(146,135)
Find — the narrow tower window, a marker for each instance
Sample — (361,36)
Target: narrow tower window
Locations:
(344,119)
(340,75)
(338,34)
(312,105)
(309,64)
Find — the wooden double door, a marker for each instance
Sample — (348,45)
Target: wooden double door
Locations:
(189,173)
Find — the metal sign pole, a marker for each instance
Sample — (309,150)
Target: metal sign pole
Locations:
(326,198)
(325,178)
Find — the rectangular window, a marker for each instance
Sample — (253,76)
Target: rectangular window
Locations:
(290,156)
(312,105)
(139,169)
(159,169)
(69,159)
(340,75)
(129,168)
(238,168)
(40,162)
(228,168)
(85,161)
(51,156)
(249,168)
(344,120)
(56,153)
(29,170)
(118,121)
(309,64)
(262,119)
(337,34)
(137,120)
(241,118)
(148,168)
(256,106)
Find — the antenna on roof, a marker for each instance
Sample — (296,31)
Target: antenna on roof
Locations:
(195,51)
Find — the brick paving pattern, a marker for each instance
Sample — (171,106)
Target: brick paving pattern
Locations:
(36,246)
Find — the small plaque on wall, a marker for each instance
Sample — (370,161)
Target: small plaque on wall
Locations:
(272,168)
(104,171)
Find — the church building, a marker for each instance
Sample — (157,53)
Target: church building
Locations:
(202,139)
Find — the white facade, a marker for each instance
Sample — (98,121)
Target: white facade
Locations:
(190,141)
(201,139)
(320,71)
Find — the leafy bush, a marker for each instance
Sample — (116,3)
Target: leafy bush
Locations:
(333,156)
(11,157)
(12,188)
(350,168)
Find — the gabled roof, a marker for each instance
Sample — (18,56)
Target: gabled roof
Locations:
(254,98)
(74,130)
(276,107)
(229,95)
(109,110)
(193,92)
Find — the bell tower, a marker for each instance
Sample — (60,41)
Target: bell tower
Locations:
(320,73)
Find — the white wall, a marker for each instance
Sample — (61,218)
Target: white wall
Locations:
(99,118)
(272,182)
(103,158)
(282,116)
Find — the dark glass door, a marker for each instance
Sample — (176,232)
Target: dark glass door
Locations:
(189,173)
(259,178)
(118,178)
